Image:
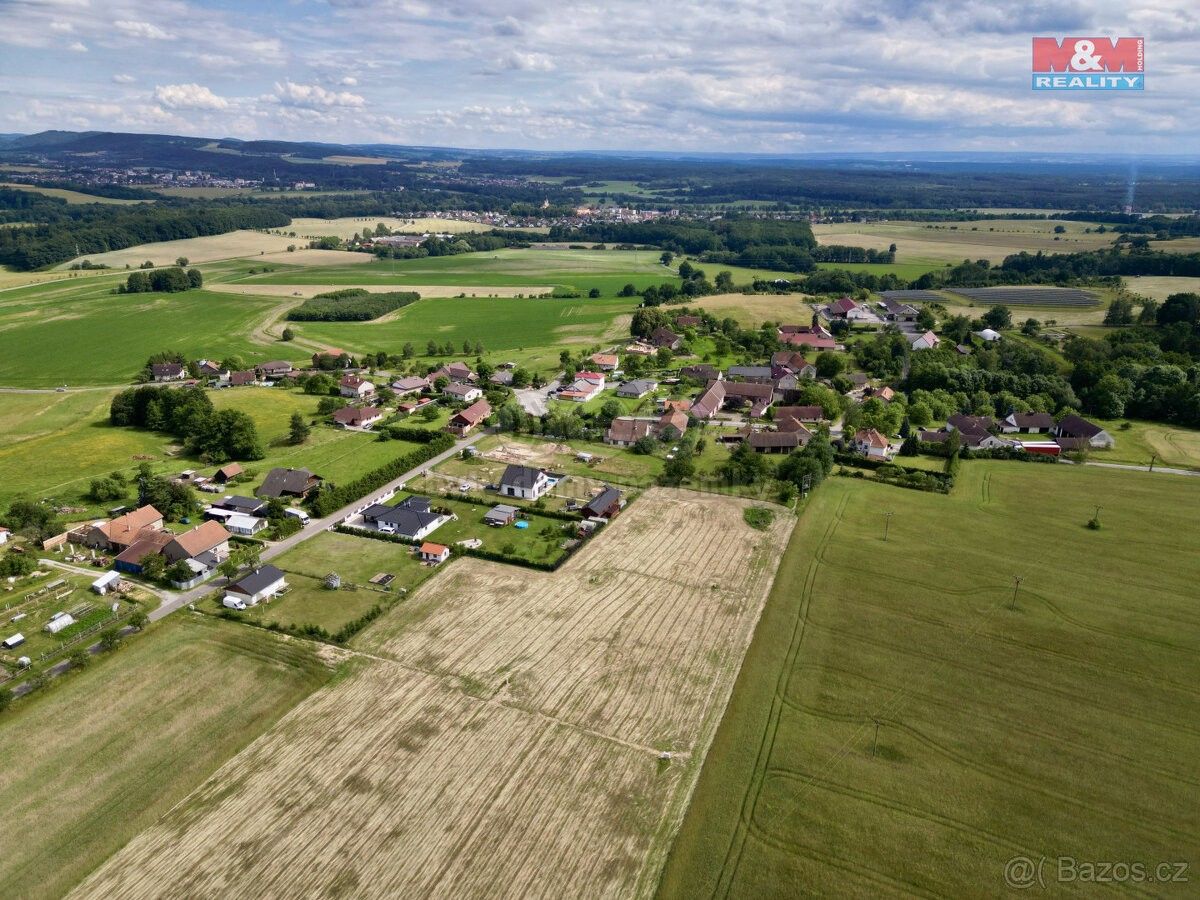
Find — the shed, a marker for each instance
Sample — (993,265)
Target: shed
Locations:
(106,582)
(501,515)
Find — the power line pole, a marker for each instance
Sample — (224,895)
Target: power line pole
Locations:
(1153,460)
(875,742)
(887,520)
(1017,579)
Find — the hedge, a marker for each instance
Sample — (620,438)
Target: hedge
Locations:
(330,499)
(456,550)
(862,462)
(411,433)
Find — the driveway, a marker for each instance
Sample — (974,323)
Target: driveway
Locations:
(535,401)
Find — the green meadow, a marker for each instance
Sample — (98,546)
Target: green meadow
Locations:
(903,726)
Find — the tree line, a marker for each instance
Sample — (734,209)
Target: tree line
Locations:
(351,305)
(187,412)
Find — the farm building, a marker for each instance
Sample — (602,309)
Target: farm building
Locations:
(354,387)
(1078,430)
(227,473)
(808,339)
(59,622)
(465,420)
(778,441)
(1027,423)
(206,538)
(462,392)
(793,362)
(122,531)
(755,374)
(637,388)
(605,505)
(106,582)
(805,415)
(976,431)
(1042,448)
(261,584)
(524,482)
(701,372)
(241,379)
(413,384)
(434,553)
(926,341)
(15,641)
(501,515)
(282,482)
(989,335)
(502,377)
(250,506)
(357,416)
(133,557)
(411,518)
(671,425)
(171,371)
(665,337)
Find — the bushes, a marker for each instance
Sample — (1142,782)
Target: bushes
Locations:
(410,433)
(331,498)
(352,305)
(759,517)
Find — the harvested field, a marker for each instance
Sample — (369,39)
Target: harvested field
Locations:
(508,743)
(425,290)
(232,245)
(1030,296)
(752,310)
(1160,287)
(349,226)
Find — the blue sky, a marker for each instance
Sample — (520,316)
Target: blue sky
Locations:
(743,75)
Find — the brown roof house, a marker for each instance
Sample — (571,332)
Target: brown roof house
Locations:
(357,416)
(624,431)
(1077,431)
(282,482)
(465,420)
(665,337)
(121,532)
(206,538)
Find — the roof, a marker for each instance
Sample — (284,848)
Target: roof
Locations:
(749,390)
(604,500)
(701,372)
(662,336)
(710,401)
(246,377)
(353,381)
(431,549)
(241,503)
(460,390)
(353,415)
(501,511)
(147,544)
(241,520)
(928,337)
(165,369)
(772,439)
(331,351)
(749,371)
(411,383)
(275,365)
(933,437)
(230,470)
(627,430)
(871,438)
(1031,420)
(501,376)
(521,476)
(474,414)
(257,581)
(605,359)
(281,481)
(637,386)
(971,424)
(203,537)
(805,339)
(409,516)
(673,418)
(124,529)
(844,305)
(1078,427)
(989,334)
(790,359)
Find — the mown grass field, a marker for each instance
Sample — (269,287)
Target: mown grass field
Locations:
(98,757)
(1063,727)
(1160,287)
(1173,447)
(72,197)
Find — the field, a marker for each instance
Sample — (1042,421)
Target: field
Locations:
(348,227)
(751,310)
(104,754)
(72,197)
(507,740)
(1062,727)
(212,247)
(941,242)
(1045,297)
(1160,287)
(904,270)
(425,290)
(1174,447)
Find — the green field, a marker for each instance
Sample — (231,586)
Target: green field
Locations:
(72,197)
(1063,727)
(905,270)
(105,753)
(1173,447)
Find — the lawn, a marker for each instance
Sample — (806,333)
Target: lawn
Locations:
(356,560)
(93,760)
(1061,726)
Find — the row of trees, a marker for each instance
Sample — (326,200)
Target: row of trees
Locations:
(170,280)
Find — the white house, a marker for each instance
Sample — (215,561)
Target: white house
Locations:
(240,523)
(524,482)
(355,387)
(585,386)
(871,444)
(261,584)
(434,553)
(926,341)
(464,393)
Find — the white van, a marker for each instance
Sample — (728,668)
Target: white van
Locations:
(297,514)
(234,603)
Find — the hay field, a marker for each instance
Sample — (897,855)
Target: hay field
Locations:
(72,197)
(991,239)
(1160,287)
(751,310)
(351,225)
(425,290)
(212,247)
(507,742)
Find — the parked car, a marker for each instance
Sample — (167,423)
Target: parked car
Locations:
(233,603)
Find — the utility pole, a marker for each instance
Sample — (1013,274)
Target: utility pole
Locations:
(887,520)
(1017,579)
(875,742)
(1153,460)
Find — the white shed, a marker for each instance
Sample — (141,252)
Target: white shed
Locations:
(106,582)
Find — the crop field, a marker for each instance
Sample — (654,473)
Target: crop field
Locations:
(425,290)
(212,247)
(1030,296)
(941,242)
(1160,287)
(350,226)
(95,759)
(72,197)
(752,310)
(913,296)
(1061,724)
(507,743)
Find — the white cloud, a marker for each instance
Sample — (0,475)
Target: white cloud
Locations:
(143,30)
(313,96)
(78,47)
(188,96)
(526,62)
(121,78)
(348,81)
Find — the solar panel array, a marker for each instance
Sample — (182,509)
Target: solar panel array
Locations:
(1029,296)
(911,296)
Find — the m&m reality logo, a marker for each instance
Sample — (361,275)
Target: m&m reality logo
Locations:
(1089,64)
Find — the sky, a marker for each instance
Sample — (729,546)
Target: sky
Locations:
(741,75)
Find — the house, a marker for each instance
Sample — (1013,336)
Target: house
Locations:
(413,384)
(858,379)
(815,329)
(625,432)
(463,421)
(605,362)
(524,482)
(665,337)
(793,362)
(122,531)
(434,554)
(133,557)
(241,379)
(261,584)
(885,393)
(1079,431)
(926,341)
(354,387)
(206,538)
(871,444)
(976,431)
(109,581)
(331,358)
(357,416)
(247,506)
(989,335)
(282,482)
(246,526)
(718,394)
(757,374)
(1027,423)
(806,415)
(462,392)
(455,372)
(274,369)
(808,339)
(170,371)
(666,405)
(210,369)
(502,377)
(895,311)
(688,321)
(604,505)
(501,515)
(703,373)
(845,308)
(709,403)
(585,386)
(637,388)
(671,425)
(227,473)
(412,518)
(778,441)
